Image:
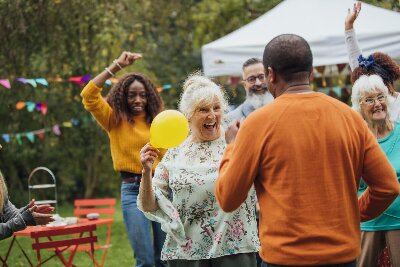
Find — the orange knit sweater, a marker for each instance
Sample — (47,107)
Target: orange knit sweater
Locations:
(127,139)
(305,153)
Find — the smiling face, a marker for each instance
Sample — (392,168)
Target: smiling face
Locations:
(374,106)
(137,98)
(254,79)
(206,122)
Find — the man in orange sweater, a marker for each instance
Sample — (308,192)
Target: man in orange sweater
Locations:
(305,152)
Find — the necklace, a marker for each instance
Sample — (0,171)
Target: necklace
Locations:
(297,85)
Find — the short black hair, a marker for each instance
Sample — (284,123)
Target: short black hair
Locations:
(290,56)
(251,61)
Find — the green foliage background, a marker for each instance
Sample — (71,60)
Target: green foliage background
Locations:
(60,38)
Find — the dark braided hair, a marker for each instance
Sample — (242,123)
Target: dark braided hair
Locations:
(384,63)
(118,95)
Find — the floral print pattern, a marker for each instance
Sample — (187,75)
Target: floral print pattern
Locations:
(196,226)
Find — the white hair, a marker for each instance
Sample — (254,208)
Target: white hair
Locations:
(199,91)
(365,85)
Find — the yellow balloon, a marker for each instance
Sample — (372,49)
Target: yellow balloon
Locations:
(168,129)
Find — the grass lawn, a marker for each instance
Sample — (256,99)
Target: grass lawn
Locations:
(120,254)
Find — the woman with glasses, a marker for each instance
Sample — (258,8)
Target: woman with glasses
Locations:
(370,99)
(377,63)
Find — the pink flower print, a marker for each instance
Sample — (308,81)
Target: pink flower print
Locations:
(186,248)
(237,228)
(218,237)
(175,214)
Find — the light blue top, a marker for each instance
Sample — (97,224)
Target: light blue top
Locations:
(390,219)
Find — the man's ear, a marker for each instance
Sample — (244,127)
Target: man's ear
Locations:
(270,74)
(311,77)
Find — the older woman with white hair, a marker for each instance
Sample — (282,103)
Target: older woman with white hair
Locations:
(369,98)
(181,194)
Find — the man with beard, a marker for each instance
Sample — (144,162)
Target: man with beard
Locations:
(257,94)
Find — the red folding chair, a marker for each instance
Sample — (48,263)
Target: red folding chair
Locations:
(66,239)
(105,207)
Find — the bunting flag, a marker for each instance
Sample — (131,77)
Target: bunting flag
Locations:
(5,83)
(31,136)
(31,106)
(42,81)
(341,67)
(29,81)
(164,87)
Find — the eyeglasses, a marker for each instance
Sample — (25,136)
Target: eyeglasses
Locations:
(253,79)
(369,101)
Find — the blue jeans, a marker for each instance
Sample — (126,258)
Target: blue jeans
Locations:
(146,252)
(349,264)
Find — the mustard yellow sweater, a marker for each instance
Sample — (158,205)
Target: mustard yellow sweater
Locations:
(127,139)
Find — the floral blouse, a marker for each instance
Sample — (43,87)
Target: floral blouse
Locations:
(196,226)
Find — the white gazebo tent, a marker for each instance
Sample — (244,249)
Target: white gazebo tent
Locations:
(320,22)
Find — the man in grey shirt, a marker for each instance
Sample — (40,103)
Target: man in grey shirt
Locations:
(257,94)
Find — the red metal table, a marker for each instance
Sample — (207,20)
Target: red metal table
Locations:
(27,233)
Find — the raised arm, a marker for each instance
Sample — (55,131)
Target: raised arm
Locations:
(353,49)
(124,60)
(91,94)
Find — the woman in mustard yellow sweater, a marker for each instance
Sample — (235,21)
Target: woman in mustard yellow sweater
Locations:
(126,115)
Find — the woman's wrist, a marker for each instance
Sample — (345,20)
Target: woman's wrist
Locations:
(113,68)
(348,26)
(146,172)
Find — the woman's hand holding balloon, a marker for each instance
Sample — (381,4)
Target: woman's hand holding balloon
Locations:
(148,155)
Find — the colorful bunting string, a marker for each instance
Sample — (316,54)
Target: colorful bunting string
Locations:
(79,80)
(31,106)
(31,136)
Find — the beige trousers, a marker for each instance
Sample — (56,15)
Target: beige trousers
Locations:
(372,244)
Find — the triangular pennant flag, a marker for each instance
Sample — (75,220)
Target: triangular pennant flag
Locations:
(31,82)
(5,83)
(6,138)
(40,135)
(77,80)
(75,122)
(42,81)
(159,89)
(341,67)
(167,86)
(56,130)
(30,106)
(30,136)
(67,124)
(234,80)
(38,106)
(43,108)
(18,137)
(21,80)
(20,105)
(86,78)
(55,80)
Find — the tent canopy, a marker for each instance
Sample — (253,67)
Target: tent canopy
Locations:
(320,22)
